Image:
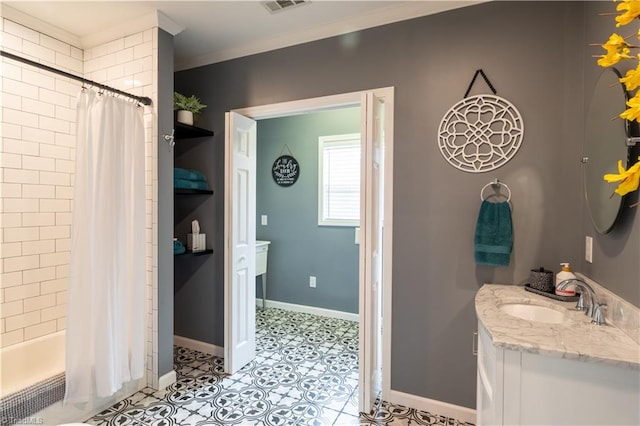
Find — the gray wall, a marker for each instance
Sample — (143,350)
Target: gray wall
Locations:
(533,54)
(299,247)
(197,286)
(615,255)
(165,204)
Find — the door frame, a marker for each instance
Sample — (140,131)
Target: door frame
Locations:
(332,102)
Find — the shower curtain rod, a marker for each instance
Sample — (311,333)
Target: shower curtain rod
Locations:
(142,99)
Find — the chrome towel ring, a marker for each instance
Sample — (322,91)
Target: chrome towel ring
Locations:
(494,183)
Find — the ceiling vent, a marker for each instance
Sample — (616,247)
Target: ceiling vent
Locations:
(280,5)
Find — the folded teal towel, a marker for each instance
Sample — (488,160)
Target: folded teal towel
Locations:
(186,174)
(494,234)
(189,184)
(178,247)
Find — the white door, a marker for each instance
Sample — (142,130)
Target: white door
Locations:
(240,239)
(371,217)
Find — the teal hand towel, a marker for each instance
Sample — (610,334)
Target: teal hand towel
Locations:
(494,234)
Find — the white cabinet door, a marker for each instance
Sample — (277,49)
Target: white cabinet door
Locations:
(522,388)
(486,404)
(556,391)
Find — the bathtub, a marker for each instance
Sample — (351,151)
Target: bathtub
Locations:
(27,363)
(32,384)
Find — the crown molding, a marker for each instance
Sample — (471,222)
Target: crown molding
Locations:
(383,16)
(141,23)
(165,23)
(40,26)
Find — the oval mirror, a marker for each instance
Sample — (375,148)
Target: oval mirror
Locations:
(605,144)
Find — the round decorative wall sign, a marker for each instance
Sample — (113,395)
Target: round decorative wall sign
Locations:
(285,170)
(480,133)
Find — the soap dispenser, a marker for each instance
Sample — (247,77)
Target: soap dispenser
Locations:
(565,274)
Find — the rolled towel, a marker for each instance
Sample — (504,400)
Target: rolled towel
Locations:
(178,247)
(188,174)
(494,234)
(189,184)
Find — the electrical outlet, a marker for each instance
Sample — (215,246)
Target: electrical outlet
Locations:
(312,281)
(263,220)
(588,249)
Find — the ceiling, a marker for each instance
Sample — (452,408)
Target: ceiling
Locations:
(213,31)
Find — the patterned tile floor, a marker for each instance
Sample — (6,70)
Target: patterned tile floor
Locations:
(305,373)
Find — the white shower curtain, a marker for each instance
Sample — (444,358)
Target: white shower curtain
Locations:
(106,291)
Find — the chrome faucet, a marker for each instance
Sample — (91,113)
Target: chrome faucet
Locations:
(588,300)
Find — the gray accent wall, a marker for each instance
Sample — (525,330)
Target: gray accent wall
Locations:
(533,52)
(165,204)
(299,246)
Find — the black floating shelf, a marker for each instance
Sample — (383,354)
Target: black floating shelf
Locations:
(198,253)
(184,131)
(180,191)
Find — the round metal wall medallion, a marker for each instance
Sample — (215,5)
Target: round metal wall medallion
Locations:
(480,133)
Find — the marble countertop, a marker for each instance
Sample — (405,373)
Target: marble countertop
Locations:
(575,338)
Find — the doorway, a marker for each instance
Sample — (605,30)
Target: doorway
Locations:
(375,236)
(310,224)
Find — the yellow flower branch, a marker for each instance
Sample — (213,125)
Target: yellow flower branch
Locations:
(629,179)
(632,12)
(617,48)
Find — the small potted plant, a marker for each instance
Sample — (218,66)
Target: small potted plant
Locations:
(186,107)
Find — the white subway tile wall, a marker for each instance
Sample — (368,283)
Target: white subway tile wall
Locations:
(37,156)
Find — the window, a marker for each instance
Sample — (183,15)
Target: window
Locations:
(339,180)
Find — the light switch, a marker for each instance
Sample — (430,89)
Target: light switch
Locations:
(588,249)
(263,220)
(357,236)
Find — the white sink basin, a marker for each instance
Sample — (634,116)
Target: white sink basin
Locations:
(534,313)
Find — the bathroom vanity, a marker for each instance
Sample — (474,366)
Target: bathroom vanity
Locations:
(541,362)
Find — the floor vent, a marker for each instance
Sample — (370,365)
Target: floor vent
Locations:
(280,5)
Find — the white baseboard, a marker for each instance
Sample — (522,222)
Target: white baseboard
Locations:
(309,310)
(432,406)
(197,345)
(167,379)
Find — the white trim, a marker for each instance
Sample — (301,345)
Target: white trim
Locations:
(322,103)
(432,406)
(197,345)
(386,15)
(167,380)
(36,24)
(228,264)
(330,313)
(387,259)
(123,29)
(165,23)
(303,106)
